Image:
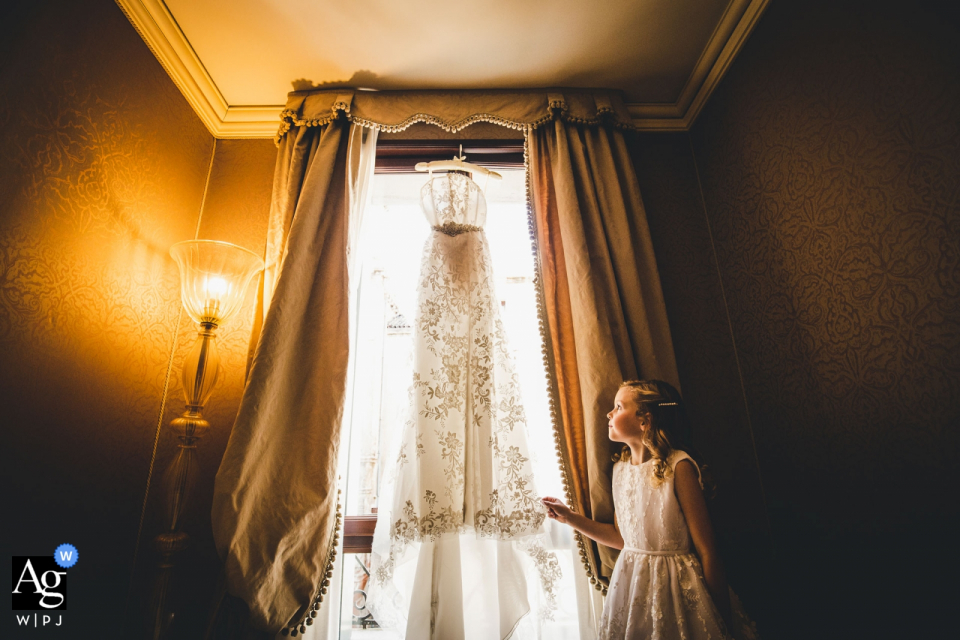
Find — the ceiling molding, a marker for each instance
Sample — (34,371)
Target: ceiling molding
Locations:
(728,38)
(160,31)
(156,25)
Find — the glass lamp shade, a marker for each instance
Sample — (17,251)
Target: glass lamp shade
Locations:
(214,277)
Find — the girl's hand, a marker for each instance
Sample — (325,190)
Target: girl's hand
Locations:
(605,534)
(556,510)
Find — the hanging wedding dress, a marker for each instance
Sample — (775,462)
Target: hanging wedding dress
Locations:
(458,551)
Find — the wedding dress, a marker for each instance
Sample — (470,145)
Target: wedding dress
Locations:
(458,551)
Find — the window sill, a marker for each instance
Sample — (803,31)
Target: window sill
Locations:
(358,533)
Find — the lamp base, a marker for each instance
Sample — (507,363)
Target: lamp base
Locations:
(201,371)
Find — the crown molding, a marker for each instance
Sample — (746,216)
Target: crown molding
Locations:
(736,23)
(164,37)
(160,31)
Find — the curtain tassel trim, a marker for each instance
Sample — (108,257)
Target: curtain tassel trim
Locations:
(310,611)
(556,110)
(548,360)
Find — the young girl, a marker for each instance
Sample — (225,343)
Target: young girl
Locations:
(661,587)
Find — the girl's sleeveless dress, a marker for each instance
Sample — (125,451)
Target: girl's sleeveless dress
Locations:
(657,591)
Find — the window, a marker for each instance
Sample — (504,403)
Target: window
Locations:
(391,239)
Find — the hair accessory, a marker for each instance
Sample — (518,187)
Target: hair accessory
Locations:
(666,404)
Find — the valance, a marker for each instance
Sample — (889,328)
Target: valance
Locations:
(394,111)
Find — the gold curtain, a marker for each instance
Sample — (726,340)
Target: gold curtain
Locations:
(274,507)
(603,305)
(275,503)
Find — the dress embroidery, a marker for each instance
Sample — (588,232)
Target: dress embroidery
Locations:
(463,469)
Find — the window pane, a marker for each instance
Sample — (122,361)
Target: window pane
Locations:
(356,621)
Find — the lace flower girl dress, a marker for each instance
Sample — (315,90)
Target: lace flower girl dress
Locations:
(657,590)
(458,551)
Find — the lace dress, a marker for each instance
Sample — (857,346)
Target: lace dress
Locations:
(458,551)
(657,590)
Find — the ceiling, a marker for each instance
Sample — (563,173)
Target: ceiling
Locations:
(236,60)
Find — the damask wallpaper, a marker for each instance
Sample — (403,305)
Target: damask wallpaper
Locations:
(830,167)
(706,362)
(102,168)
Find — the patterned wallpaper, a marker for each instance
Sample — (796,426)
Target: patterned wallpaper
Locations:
(710,382)
(830,165)
(103,165)
(102,168)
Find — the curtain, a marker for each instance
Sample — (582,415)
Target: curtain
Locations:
(275,510)
(275,505)
(603,305)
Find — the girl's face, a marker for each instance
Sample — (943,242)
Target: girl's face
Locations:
(624,423)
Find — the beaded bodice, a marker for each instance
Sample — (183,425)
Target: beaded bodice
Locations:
(453,204)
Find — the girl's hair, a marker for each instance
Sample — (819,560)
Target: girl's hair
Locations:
(669,427)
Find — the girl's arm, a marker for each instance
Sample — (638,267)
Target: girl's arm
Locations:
(606,534)
(690,496)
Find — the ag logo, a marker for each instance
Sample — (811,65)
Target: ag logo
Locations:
(39,583)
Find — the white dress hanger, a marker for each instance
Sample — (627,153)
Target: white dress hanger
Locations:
(457,164)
